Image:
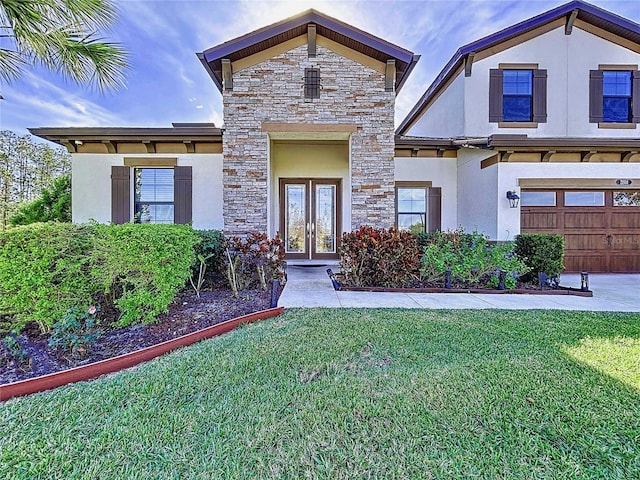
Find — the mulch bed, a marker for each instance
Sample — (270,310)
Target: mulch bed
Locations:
(187,314)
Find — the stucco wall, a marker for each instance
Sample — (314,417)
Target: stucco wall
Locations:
(445,117)
(91,187)
(477,192)
(567,59)
(272,92)
(441,172)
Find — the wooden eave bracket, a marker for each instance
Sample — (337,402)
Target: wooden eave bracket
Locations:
(570,21)
(311,40)
(626,156)
(70,146)
(111,147)
(547,156)
(151,148)
(390,76)
(504,156)
(586,156)
(468,63)
(227,76)
(190,146)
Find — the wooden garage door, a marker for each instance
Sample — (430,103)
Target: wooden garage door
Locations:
(601,229)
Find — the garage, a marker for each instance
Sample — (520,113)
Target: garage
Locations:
(601,228)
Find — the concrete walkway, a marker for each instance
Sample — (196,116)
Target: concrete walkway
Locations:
(310,286)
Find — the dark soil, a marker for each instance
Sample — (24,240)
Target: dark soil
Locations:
(187,314)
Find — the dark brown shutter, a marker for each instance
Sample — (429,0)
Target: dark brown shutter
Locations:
(635,97)
(495,95)
(182,195)
(435,209)
(595,96)
(120,194)
(540,96)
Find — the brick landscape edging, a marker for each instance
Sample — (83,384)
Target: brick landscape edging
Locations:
(115,364)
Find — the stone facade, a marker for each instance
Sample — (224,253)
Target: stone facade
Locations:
(273,92)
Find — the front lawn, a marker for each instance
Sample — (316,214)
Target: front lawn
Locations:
(354,394)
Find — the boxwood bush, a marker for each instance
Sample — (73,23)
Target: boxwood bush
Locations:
(142,267)
(43,272)
(48,268)
(542,252)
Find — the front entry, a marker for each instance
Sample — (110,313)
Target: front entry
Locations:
(310,217)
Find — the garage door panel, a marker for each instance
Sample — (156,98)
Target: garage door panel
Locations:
(625,220)
(598,238)
(577,263)
(535,219)
(583,220)
(625,263)
(593,242)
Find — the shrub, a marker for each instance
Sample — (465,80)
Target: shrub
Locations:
(76,331)
(542,252)
(253,260)
(379,257)
(140,268)
(53,205)
(211,248)
(471,258)
(43,272)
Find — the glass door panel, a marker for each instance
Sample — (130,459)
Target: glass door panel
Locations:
(295,218)
(325,218)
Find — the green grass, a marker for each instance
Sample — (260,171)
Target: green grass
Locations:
(354,394)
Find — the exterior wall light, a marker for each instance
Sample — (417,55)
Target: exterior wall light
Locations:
(513,198)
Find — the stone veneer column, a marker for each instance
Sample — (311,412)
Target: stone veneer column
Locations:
(272,92)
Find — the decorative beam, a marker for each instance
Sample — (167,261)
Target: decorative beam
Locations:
(390,76)
(71,147)
(440,153)
(504,156)
(626,156)
(570,21)
(547,156)
(111,148)
(311,40)
(190,147)
(414,152)
(586,157)
(468,63)
(227,77)
(151,148)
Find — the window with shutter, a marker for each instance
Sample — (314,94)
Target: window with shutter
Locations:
(418,208)
(614,96)
(518,95)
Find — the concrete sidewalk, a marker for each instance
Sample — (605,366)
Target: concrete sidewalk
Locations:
(310,286)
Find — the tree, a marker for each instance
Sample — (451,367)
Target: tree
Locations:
(26,168)
(62,36)
(54,205)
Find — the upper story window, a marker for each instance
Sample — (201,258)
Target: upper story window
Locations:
(518,96)
(614,95)
(153,192)
(311,83)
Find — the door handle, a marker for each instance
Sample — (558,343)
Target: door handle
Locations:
(313,228)
(308,229)
(609,240)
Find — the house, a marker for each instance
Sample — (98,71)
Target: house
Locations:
(545,112)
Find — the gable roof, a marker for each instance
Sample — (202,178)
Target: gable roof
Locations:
(586,12)
(295,26)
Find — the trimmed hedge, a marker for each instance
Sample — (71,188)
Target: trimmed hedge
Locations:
(142,267)
(43,272)
(542,252)
(48,268)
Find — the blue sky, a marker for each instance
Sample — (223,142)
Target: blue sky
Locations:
(167,83)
